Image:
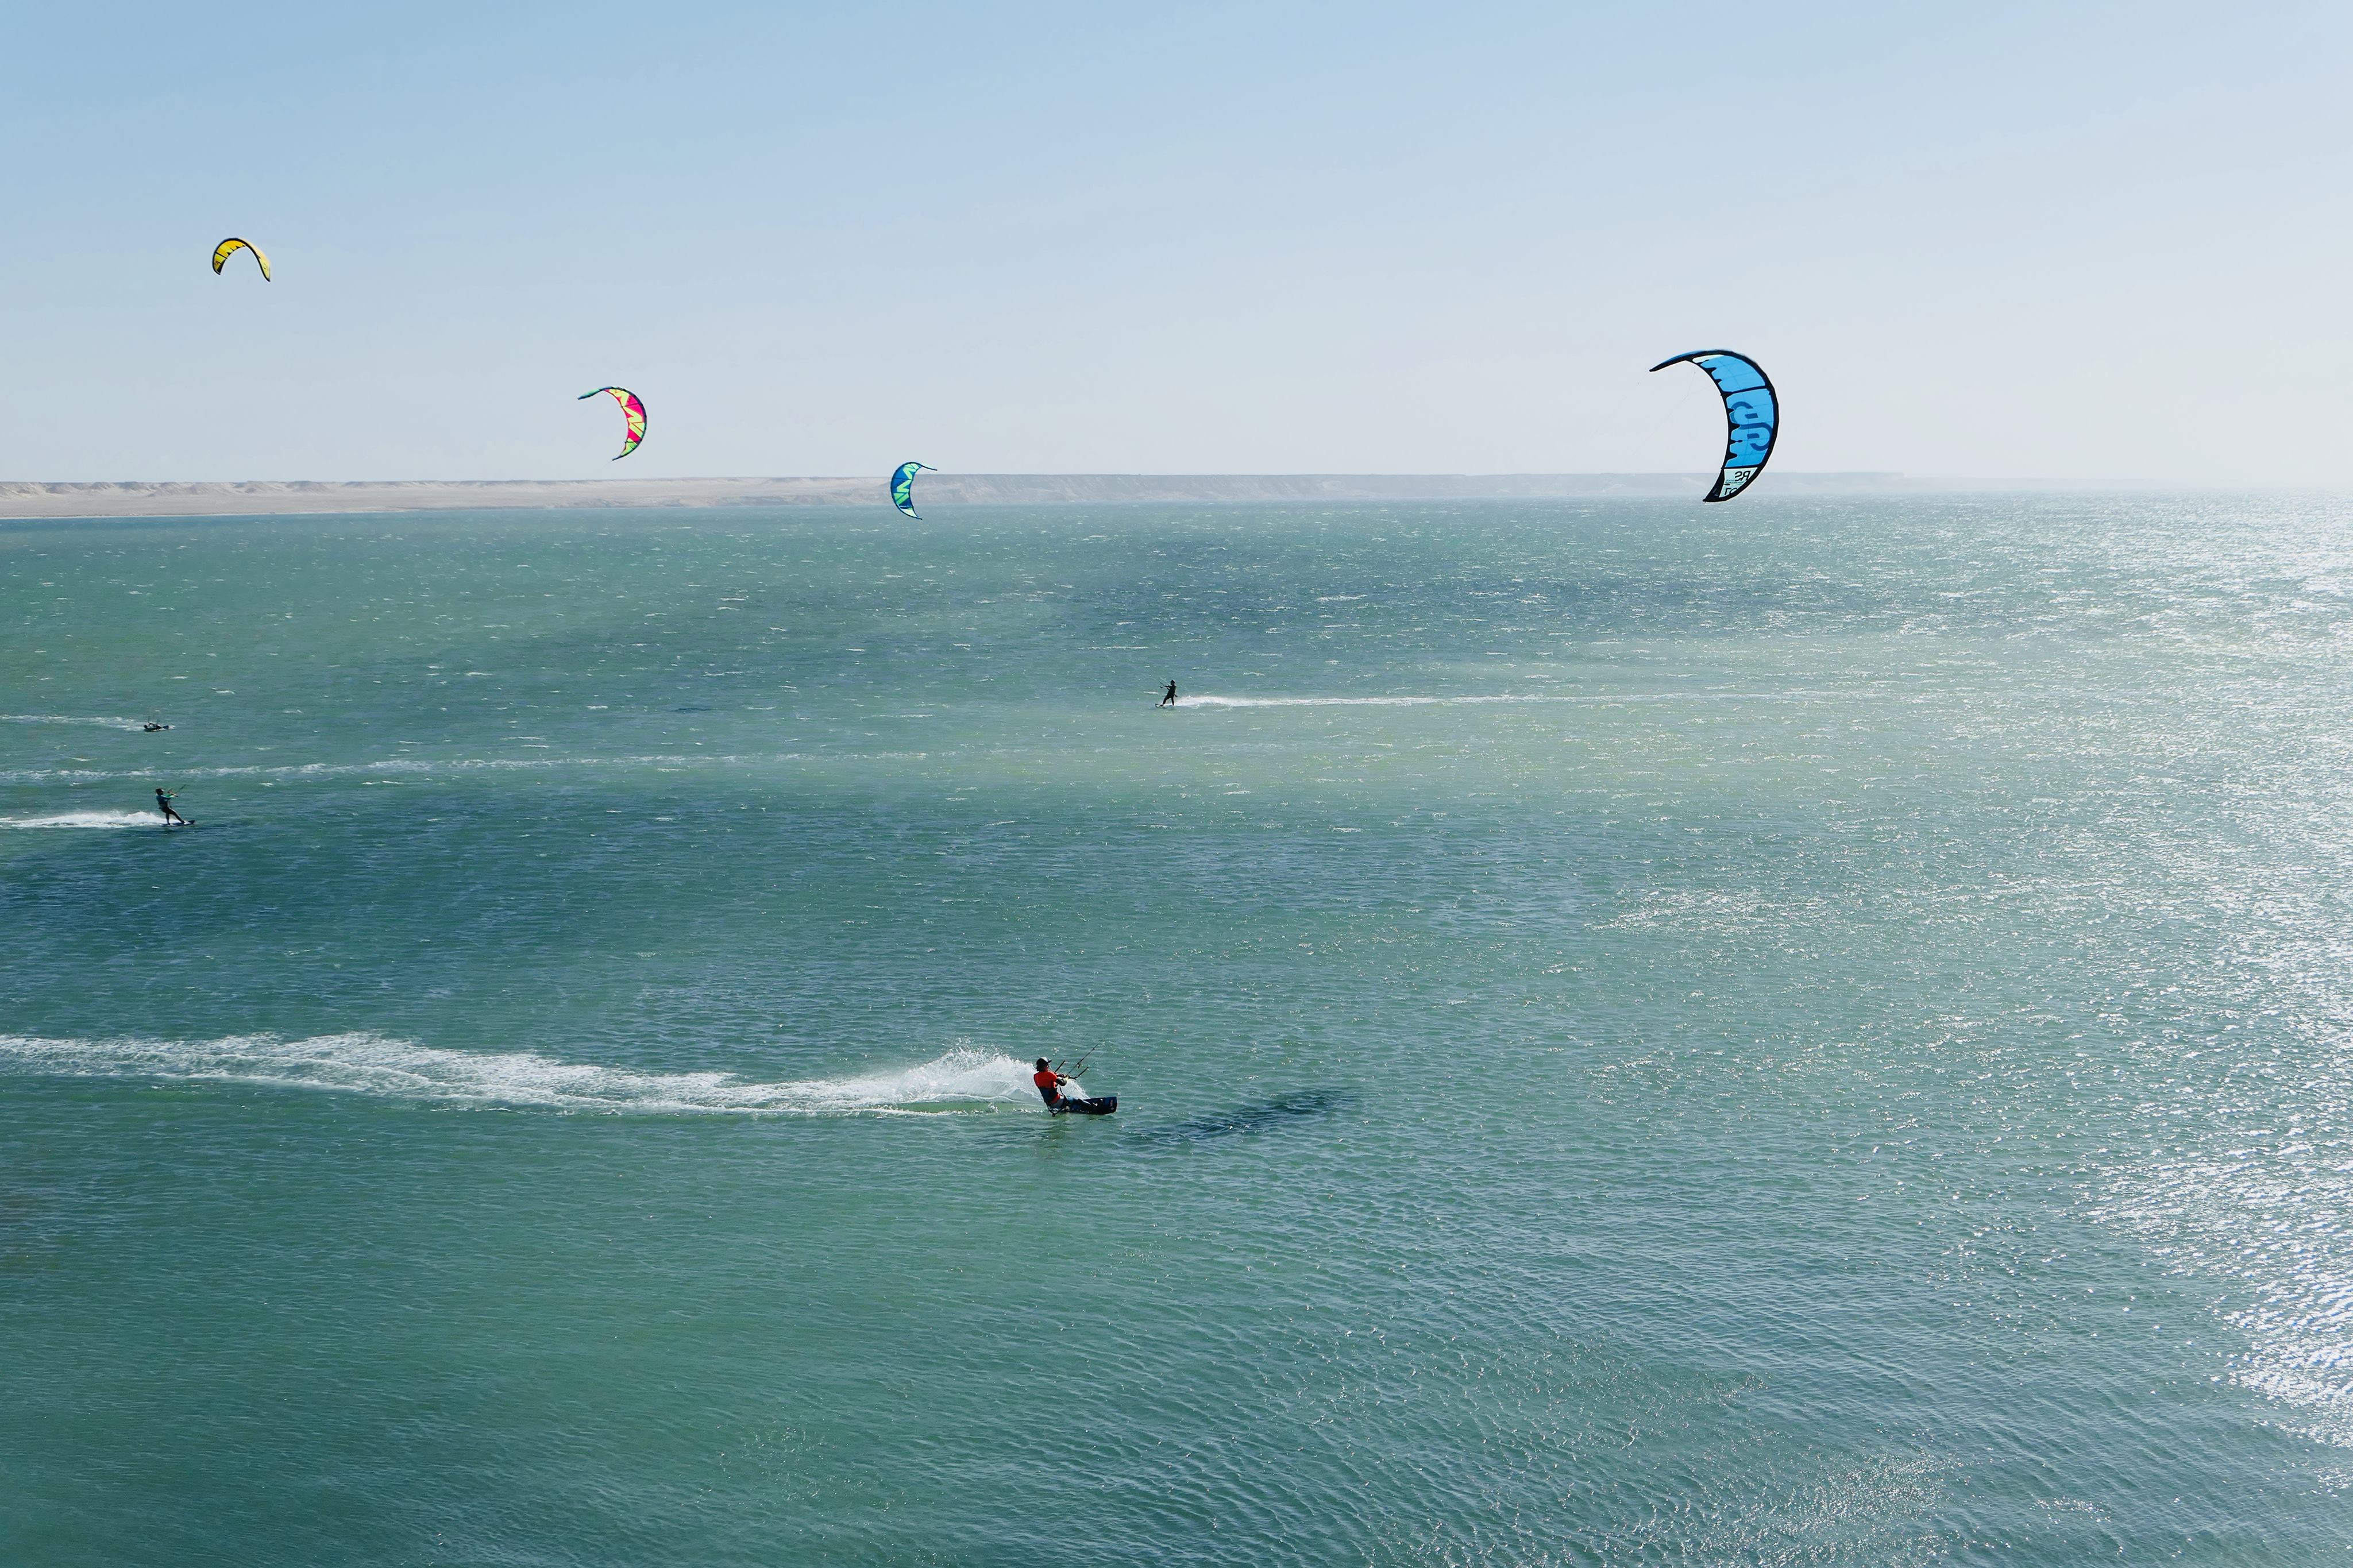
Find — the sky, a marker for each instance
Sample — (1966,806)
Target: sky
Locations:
(2080,241)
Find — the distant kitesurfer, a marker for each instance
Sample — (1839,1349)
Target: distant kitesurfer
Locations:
(1050,1084)
(163,804)
(1168,698)
(151,726)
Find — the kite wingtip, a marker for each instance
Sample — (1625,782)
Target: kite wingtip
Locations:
(1706,353)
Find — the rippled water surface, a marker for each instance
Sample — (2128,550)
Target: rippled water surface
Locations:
(1795,1032)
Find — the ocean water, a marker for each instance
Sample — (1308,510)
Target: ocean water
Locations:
(1797,1032)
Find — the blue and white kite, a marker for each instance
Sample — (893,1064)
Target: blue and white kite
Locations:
(902,487)
(1750,411)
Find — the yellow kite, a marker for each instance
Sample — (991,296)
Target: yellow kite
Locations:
(228,247)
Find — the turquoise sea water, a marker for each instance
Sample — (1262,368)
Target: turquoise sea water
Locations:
(1794,1032)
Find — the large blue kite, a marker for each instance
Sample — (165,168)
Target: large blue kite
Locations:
(1751,412)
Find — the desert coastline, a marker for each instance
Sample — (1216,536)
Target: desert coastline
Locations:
(27,501)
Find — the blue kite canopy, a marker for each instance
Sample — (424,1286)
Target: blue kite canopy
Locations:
(1750,411)
(902,487)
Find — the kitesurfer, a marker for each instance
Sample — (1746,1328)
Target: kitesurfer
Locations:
(151,726)
(163,804)
(1050,1084)
(1168,698)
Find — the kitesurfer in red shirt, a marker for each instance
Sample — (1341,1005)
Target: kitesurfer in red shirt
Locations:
(1049,1083)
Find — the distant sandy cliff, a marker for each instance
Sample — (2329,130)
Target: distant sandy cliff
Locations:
(21,499)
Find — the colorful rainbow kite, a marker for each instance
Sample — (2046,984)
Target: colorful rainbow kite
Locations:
(631,409)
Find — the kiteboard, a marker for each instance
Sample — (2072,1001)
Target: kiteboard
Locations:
(1103,1107)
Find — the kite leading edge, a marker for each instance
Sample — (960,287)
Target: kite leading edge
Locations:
(1752,415)
(902,487)
(631,410)
(230,246)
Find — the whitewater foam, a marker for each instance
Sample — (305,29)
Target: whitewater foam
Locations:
(87,819)
(367,1064)
(413,765)
(1516,697)
(69,719)
(1340,701)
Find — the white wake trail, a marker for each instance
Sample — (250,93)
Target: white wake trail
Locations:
(69,719)
(1595,699)
(1338,701)
(379,1066)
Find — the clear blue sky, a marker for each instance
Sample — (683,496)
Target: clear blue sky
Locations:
(2090,241)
